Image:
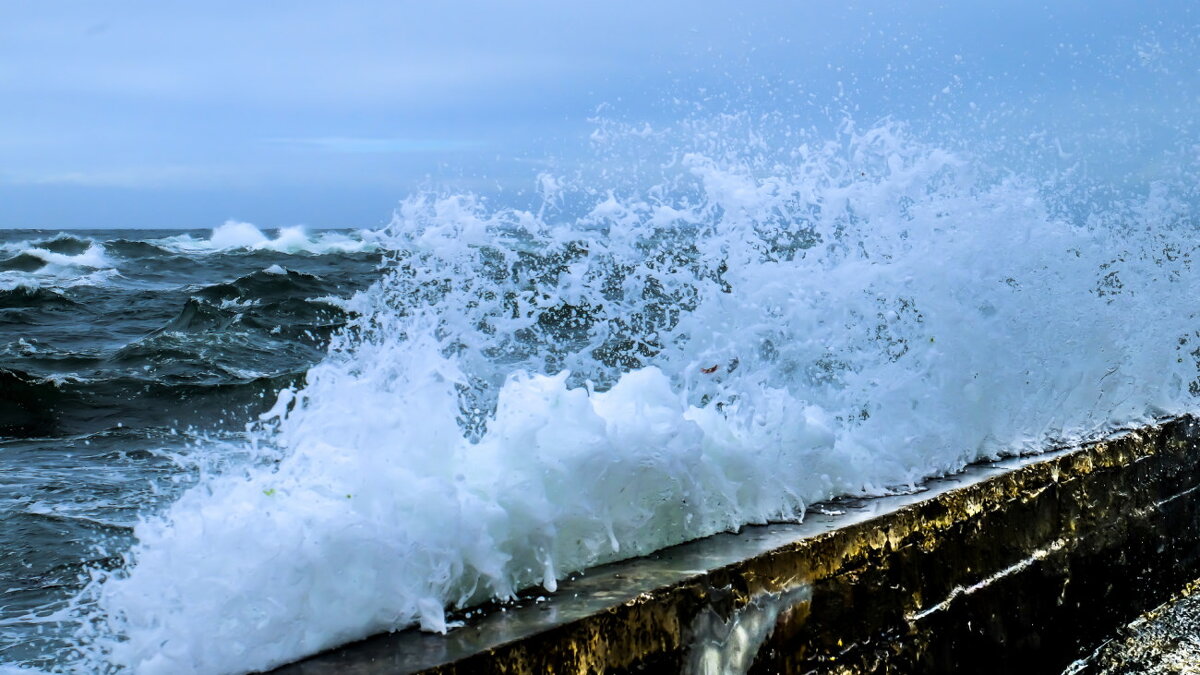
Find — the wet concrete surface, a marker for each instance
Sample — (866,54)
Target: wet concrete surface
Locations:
(1163,641)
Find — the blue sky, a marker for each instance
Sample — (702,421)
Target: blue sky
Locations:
(172,114)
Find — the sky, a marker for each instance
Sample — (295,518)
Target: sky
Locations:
(172,114)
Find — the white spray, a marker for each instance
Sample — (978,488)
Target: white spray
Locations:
(528,393)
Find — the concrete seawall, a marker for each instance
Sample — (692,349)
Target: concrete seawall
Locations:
(1022,564)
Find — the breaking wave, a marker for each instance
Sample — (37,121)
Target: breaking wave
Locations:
(760,321)
(239,236)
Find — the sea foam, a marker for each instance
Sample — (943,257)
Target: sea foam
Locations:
(526,393)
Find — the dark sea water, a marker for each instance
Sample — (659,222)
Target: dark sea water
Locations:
(121,351)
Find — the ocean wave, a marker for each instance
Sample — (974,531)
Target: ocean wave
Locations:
(62,243)
(56,404)
(135,249)
(28,404)
(277,317)
(94,257)
(238,236)
(25,297)
(60,279)
(20,295)
(525,394)
(74,514)
(65,244)
(33,354)
(272,283)
(41,266)
(22,262)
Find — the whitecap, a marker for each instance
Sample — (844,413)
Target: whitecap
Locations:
(241,236)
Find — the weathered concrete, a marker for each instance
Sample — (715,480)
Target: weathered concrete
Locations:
(1164,640)
(1023,564)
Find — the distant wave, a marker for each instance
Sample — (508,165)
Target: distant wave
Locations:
(35,259)
(22,262)
(270,283)
(63,243)
(63,261)
(20,295)
(134,248)
(239,236)
(57,263)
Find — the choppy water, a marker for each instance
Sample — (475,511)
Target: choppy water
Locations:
(123,351)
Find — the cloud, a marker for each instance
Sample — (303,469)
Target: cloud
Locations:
(160,176)
(342,144)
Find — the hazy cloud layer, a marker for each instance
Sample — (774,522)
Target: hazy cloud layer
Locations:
(239,103)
